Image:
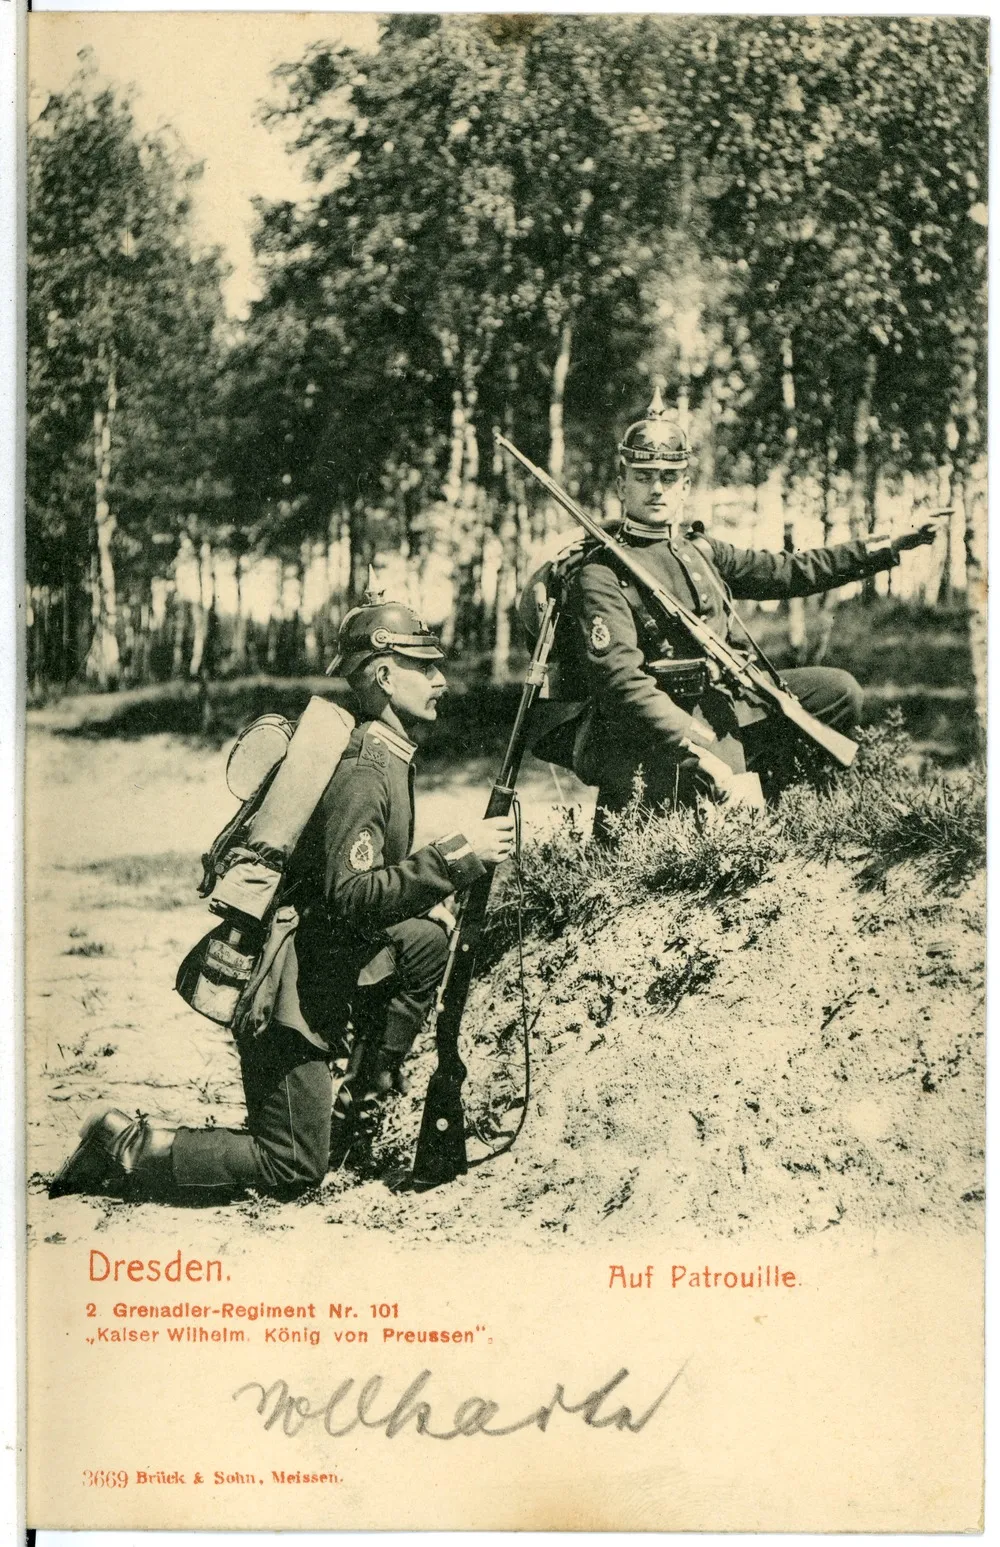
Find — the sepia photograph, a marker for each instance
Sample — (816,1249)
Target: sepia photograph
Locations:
(505,802)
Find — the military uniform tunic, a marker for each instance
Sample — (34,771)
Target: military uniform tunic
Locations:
(615,636)
(362,948)
(356,881)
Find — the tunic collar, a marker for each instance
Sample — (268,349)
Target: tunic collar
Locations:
(396,742)
(632,528)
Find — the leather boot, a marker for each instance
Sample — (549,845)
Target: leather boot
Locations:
(355,1119)
(389,1079)
(121,1155)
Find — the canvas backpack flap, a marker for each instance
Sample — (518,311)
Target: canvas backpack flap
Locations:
(249,884)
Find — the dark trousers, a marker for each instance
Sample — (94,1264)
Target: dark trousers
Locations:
(773,749)
(288,1085)
(770,748)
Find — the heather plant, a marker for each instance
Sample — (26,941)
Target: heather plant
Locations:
(568,880)
(888,810)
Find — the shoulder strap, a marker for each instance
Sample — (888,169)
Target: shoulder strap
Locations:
(212,859)
(568,562)
(698,538)
(703,544)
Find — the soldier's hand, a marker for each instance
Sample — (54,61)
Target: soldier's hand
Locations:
(717,774)
(442,914)
(923,534)
(492,839)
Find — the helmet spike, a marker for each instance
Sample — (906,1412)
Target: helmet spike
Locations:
(656,409)
(374,593)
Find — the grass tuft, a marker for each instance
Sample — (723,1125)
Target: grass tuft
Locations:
(888,810)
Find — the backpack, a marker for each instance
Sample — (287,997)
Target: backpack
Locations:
(232,974)
(557,716)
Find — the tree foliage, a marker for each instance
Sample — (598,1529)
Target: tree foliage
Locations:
(123,346)
(515,221)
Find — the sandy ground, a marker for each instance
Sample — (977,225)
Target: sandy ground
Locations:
(804,1059)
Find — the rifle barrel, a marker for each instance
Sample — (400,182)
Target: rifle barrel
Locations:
(440,1153)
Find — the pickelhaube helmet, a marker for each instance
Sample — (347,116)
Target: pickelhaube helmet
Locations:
(655,441)
(378,627)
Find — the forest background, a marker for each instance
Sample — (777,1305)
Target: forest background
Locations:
(521,222)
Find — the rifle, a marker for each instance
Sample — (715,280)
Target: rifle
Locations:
(440,1154)
(745,675)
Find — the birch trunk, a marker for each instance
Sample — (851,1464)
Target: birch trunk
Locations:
(796,606)
(239,646)
(102,665)
(141,670)
(684,390)
(310,637)
(206,600)
(972,465)
(828,600)
(863,498)
(69,593)
(506,592)
(941,583)
(472,534)
(557,419)
(453,498)
(975,569)
(178,617)
(357,578)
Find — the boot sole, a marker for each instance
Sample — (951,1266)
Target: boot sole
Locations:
(90,1168)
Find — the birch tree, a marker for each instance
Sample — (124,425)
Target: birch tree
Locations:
(123,356)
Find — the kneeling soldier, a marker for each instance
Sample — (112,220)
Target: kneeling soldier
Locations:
(371,946)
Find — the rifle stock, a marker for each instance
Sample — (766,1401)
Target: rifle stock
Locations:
(834,743)
(440,1154)
(745,674)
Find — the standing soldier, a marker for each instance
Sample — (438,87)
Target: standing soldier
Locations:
(653,703)
(371,945)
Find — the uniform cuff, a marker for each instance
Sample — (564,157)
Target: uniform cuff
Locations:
(464,866)
(697,733)
(880,553)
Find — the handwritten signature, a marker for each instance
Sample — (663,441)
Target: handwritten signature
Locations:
(276,1405)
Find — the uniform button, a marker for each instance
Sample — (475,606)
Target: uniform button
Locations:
(623,584)
(704,597)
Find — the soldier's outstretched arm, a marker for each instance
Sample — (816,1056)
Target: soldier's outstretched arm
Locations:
(753,574)
(613,661)
(361,889)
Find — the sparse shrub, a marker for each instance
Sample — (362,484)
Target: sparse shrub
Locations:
(886,811)
(141,869)
(568,880)
(717,852)
(166,880)
(687,974)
